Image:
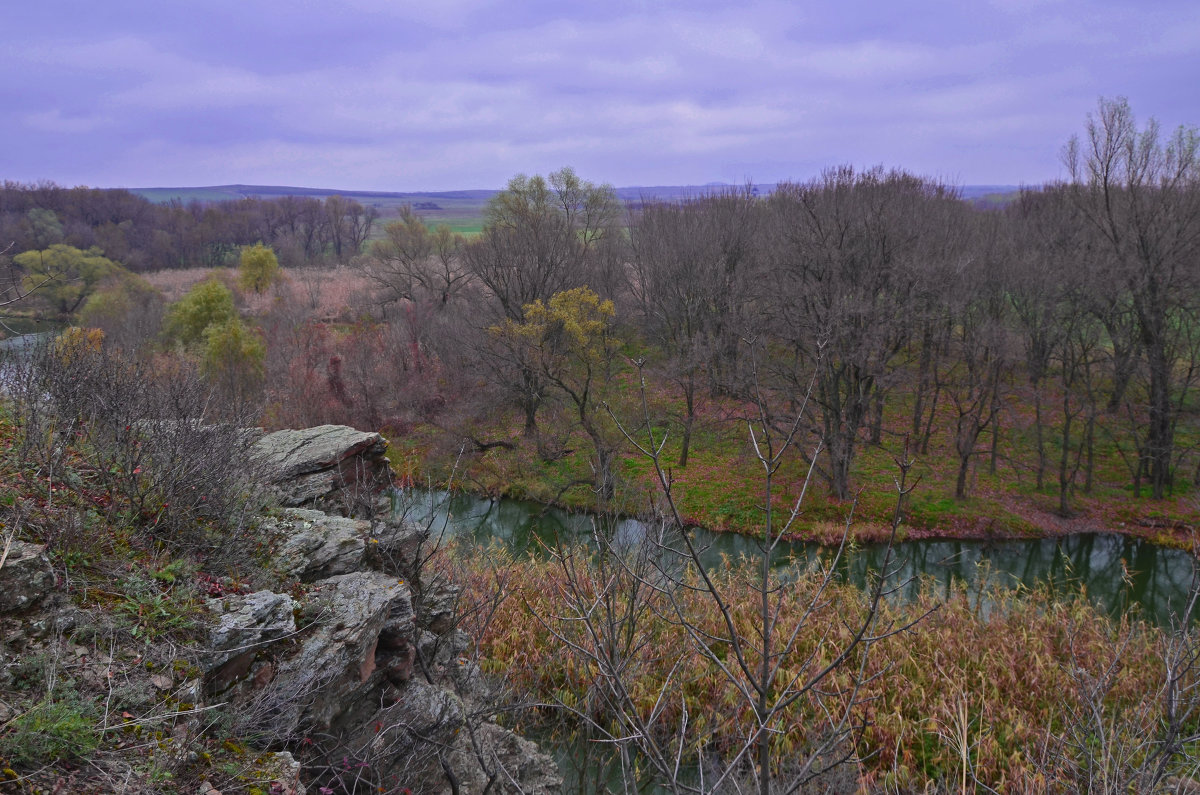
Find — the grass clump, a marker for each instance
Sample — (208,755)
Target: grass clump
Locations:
(57,729)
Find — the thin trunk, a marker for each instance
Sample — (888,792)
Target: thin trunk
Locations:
(689,393)
(928,432)
(766,690)
(960,486)
(923,366)
(1039,432)
(1159,439)
(1089,434)
(877,419)
(531,399)
(1064,508)
(995,443)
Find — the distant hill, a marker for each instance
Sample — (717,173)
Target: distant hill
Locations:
(463,209)
(393,198)
(388,199)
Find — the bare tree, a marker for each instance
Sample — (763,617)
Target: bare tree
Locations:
(849,251)
(1142,194)
(415,263)
(1049,286)
(692,263)
(978,372)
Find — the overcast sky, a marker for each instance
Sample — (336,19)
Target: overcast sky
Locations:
(453,94)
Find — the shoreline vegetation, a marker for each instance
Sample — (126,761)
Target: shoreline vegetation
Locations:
(513,469)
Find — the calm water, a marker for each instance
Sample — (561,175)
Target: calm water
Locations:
(1116,572)
(18,346)
(21,342)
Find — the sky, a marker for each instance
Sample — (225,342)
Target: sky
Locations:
(414,95)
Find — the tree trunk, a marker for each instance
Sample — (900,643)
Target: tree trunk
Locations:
(1040,435)
(877,419)
(1160,435)
(1064,509)
(689,394)
(960,486)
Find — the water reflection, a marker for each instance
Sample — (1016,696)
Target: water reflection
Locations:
(1115,572)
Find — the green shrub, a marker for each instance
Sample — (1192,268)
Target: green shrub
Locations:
(208,304)
(259,268)
(55,729)
(234,357)
(64,275)
(129,310)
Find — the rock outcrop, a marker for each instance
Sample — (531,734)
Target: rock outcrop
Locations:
(331,467)
(353,655)
(350,664)
(317,545)
(28,607)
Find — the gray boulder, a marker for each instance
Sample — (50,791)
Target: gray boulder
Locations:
(243,626)
(329,467)
(335,671)
(315,545)
(513,764)
(404,740)
(25,576)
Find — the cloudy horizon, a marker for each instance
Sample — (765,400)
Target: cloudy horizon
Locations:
(374,95)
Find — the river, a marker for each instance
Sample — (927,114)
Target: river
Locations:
(1116,572)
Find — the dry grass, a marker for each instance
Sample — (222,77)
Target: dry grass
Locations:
(998,684)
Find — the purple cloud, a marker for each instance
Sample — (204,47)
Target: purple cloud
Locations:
(378,95)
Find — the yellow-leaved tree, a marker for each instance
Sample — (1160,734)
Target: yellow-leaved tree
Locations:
(569,339)
(258,268)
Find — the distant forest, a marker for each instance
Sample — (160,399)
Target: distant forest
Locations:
(159,228)
(143,235)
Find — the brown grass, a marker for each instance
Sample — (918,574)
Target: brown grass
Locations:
(1009,671)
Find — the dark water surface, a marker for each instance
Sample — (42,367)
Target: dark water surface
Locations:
(1116,572)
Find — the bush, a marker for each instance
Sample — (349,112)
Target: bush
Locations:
(129,311)
(159,451)
(234,359)
(259,268)
(208,304)
(64,275)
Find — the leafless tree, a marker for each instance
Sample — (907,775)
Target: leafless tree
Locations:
(415,263)
(1141,192)
(850,248)
(693,266)
(1049,286)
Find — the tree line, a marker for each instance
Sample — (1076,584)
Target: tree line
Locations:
(144,236)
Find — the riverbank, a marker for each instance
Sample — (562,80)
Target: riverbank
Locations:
(720,489)
(1118,574)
